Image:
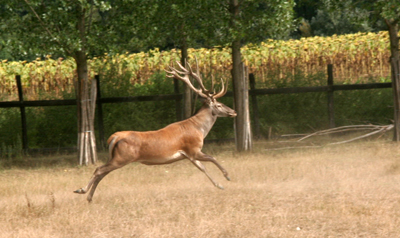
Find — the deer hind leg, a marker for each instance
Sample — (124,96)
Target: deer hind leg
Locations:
(204,157)
(98,175)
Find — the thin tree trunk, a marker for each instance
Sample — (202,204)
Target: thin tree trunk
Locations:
(81,104)
(242,120)
(187,92)
(247,135)
(86,102)
(92,113)
(395,65)
(86,141)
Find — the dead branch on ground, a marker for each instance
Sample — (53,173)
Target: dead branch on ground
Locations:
(373,130)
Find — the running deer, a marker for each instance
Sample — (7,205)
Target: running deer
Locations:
(177,141)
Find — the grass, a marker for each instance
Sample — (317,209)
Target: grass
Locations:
(350,190)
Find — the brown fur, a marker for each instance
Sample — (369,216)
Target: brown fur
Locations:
(177,141)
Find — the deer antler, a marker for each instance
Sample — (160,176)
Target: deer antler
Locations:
(223,90)
(197,76)
(203,92)
(174,73)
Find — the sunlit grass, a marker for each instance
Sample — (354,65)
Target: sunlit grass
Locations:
(347,191)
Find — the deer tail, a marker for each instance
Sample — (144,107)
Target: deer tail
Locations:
(111,146)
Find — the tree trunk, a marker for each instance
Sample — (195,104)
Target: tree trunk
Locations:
(86,102)
(395,71)
(187,92)
(240,90)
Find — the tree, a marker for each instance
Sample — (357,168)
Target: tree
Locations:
(390,11)
(4,36)
(339,19)
(328,17)
(182,24)
(179,28)
(75,29)
(246,19)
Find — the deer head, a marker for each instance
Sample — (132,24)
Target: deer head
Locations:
(218,109)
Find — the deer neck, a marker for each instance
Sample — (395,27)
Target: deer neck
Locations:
(204,119)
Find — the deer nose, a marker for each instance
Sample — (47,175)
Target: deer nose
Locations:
(232,114)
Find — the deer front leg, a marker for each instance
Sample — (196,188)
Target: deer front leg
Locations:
(200,166)
(204,157)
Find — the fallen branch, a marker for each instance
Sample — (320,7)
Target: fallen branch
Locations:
(296,147)
(381,130)
(373,128)
(351,128)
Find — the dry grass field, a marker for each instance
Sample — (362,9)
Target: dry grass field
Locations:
(351,190)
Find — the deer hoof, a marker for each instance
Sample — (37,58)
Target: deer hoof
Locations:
(80,191)
(219,186)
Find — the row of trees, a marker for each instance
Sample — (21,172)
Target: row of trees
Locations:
(86,28)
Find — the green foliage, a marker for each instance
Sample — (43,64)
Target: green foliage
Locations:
(258,20)
(293,113)
(389,9)
(51,26)
(52,127)
(308,112)
(363,107)
(139,116)
(10,130)
(340,18)
(351,16)
(47,127)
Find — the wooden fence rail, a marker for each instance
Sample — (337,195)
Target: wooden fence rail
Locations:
(330,88)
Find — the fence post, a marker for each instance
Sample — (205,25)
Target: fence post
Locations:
(23,115)
(331,106)
(254,103)
(100,114)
